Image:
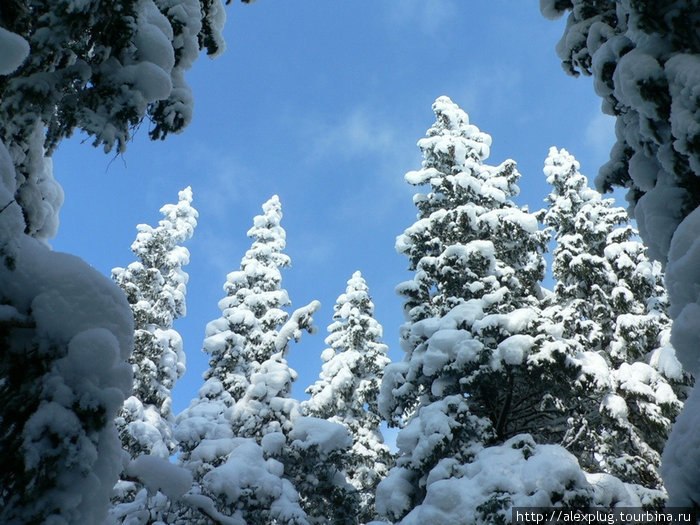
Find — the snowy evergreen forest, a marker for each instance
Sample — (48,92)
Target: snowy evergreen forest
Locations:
(508,394)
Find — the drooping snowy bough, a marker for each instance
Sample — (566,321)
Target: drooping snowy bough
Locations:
(645,61)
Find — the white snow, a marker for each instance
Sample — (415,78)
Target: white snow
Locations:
(665,360)
(326,436)
(515,349)
(680,462)
(594,365)
(246,479)
(523,473)
(615,406)
(512,323)
(14,51)
(681,459)
(448,345)
(682,278)
(160,474)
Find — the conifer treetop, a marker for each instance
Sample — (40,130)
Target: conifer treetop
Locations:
(354,359)
(574,206)
(245,335)
(155,287)
(453,121)
(159,250)
(269,236)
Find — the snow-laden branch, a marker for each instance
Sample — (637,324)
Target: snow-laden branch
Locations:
(301,319)
(158,474)
(206,506)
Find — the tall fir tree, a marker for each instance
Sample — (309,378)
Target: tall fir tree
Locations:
(243,338)
(482,363)
(610,301)
(347,391)
(155,287)
(243,438)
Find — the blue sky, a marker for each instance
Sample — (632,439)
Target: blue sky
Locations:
(322,103)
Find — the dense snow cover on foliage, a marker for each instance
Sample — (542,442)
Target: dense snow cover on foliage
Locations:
(572,391)
(610,302)
(645,61)
(346,393)
(508,394)
(245,405)
(155,287)
(475,341)
(244,339)
(517,473)
(66,335)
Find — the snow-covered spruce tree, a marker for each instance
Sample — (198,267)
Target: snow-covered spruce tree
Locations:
(244,336)
(481,367)
(610,301)
(100,68)
(244,418)
(347,391)
(645,61)
(155,287)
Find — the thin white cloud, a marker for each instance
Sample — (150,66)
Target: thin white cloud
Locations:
(389,145)
(497,87)
(310,249)
(600,136)
(219,251)
(358,133)
(221,181)
(390,148)
(430,17)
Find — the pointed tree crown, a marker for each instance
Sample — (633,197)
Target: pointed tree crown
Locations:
(155,286)
(244,336)
(354,354)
